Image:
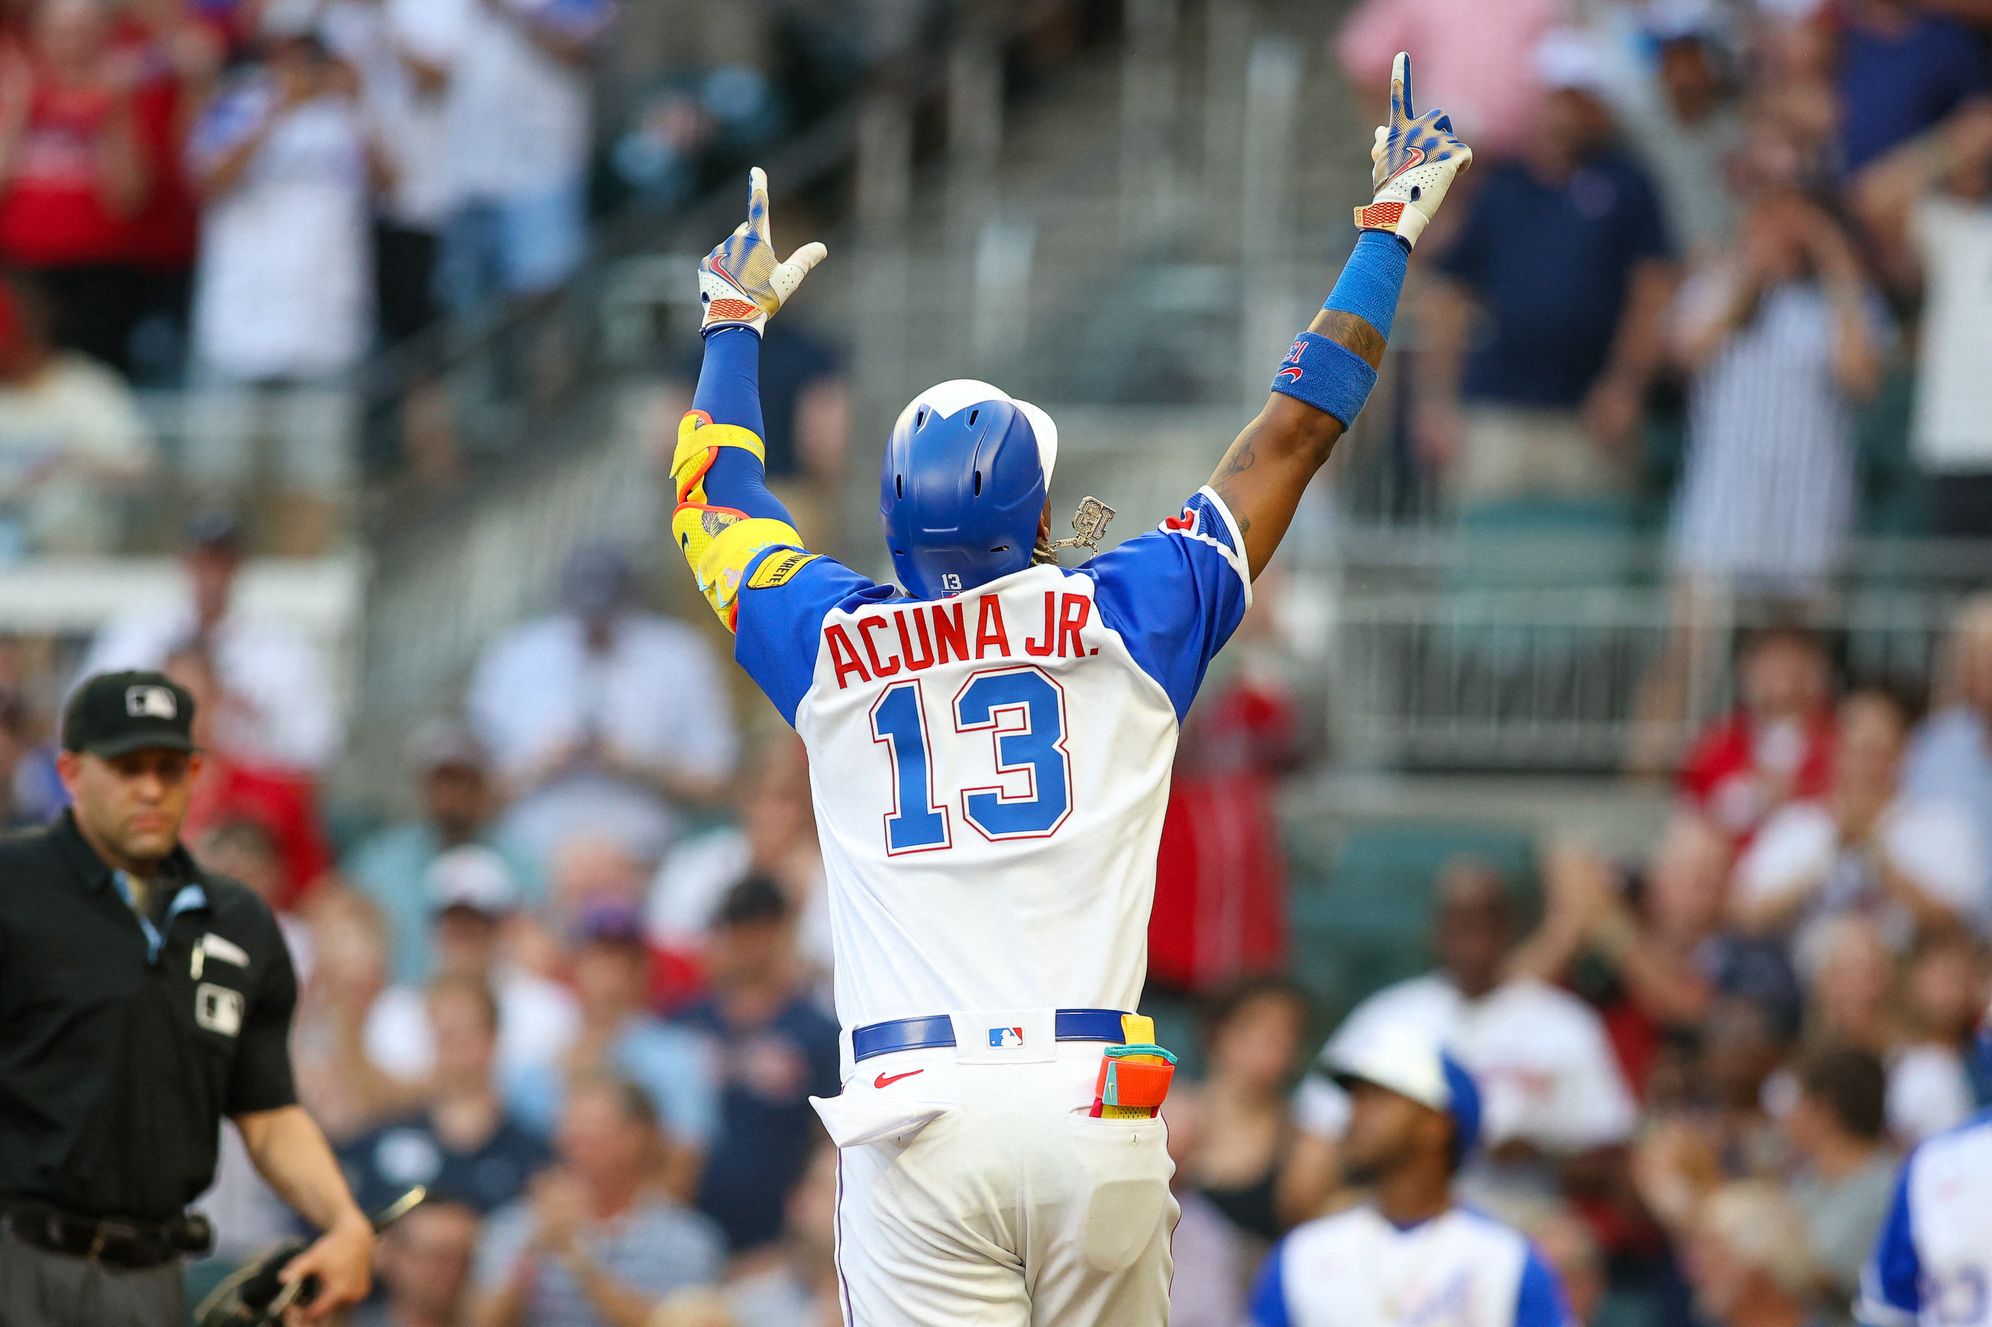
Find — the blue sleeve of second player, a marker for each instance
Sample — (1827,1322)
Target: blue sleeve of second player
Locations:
(1176,594)
(778,630)
(1539,1303)
(1269,1306)
(1891,1283)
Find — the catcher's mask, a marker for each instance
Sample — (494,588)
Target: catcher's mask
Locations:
(963,487)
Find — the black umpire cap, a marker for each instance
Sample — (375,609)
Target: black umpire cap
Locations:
(115,713)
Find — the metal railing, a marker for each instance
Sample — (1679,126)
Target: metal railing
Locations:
(1439,654)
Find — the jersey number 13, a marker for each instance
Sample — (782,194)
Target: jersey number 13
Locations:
(1022,711)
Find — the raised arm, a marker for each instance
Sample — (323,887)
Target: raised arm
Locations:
(1329,370)
(725,516)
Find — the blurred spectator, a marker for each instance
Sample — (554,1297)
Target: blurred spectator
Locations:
(1747,1259)
(280,804)
(1681,116)
(1936,1077)
(72,174)
(474,900)
(598,1242)
(1239,1116)
(1564,254)
(619,1035)
(1854,1004)
(1207,1251)
(517,145)
(1655,935)
(1847,1177)
(1473,60)
(461,1143)
(1901,69)
(1929,202)
(570,708)
(173,52)
(1551,1085)
(794,1283)
(403,52)
(341,1079)
(19,799)
(1778,743)
(423,1262)
(1909,862)
(279,706)
(282,306)
(1220,879)
(775,838)
(456,799)
(1781,334)
(72,441)
(1950,756)
(773,1050)
(1572,1252)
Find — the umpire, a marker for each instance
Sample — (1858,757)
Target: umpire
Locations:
(141,999)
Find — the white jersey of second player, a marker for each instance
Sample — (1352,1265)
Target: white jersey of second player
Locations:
(1356,1269)
(990,770)
(1932,1264)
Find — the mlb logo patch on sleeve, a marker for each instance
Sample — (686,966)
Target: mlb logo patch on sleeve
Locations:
(778,567)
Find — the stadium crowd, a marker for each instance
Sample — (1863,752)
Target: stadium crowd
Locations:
(581,991)
(235,202)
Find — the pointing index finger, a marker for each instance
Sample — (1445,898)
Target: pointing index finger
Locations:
(1401,111)
(757,203)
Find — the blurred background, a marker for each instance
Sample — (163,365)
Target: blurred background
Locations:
(1618,706)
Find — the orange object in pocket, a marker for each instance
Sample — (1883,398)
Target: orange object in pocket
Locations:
(1134,1079)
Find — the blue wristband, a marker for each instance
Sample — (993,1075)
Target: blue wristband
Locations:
(1326,375)
(1372,280)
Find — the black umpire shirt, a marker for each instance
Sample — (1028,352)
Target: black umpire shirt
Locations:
(117,1062)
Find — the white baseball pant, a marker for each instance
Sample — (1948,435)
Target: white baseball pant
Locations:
(983,1195)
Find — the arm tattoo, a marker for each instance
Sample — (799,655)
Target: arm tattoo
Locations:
(1352,333)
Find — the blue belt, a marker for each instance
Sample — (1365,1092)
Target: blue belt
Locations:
(919,1034)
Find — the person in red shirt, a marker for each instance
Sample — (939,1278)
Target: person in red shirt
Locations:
(171,57)
(1777,745)
(1220,874)
(72,175)
(282,803)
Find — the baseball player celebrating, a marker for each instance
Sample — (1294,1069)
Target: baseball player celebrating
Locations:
(990,748)
(1932,1262)
(1408,1255)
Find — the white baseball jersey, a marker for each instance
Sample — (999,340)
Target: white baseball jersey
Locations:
(990,770)
(1356,1269)
(1932,1263)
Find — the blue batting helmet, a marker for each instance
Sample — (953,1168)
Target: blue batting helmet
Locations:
(963,486)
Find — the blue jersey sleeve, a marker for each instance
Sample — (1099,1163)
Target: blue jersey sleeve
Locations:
(784,598)
(1269,1305)
(1176,594)
(1891,1291)
(1539,1302)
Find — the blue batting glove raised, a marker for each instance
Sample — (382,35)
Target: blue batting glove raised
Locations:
(740,283)
(1416,158)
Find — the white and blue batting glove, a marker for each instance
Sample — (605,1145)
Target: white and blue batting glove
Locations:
(740,283)
(1416,158)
